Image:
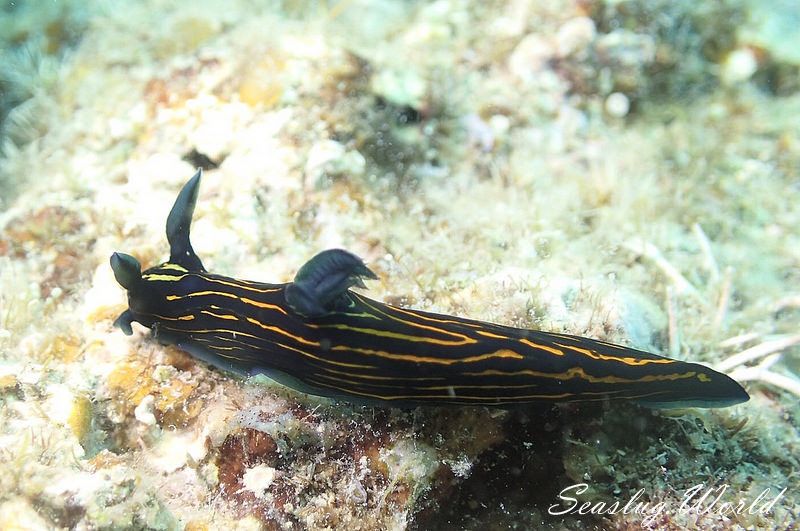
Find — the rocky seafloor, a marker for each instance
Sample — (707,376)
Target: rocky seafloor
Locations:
(625,170)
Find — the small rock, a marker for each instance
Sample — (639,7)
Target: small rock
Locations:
(530,56)
(479,133)
(738,66)
(331,158)
(144,411)
(258,479)
(400,87)
(617,105)
(18,513)
(575,35)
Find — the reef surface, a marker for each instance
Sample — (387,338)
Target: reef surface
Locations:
(622,170)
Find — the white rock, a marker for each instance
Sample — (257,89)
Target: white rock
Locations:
(322,155)
(171,451)
(19,513)
(401,87)
(258,479)
(217,126)
(575,35)
(530,56)
(500,125)
(738,66)
(478,131)
(617,104)
(60,402)
(144,411)
(329,157)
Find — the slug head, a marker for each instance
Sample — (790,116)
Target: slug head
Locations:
(143,297)
(128,273)
(126,270)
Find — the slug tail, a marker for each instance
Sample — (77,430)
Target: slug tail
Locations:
(713,390)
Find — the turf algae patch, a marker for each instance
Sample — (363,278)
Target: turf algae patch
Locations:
(51,231)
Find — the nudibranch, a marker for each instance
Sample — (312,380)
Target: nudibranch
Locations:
(316,335)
